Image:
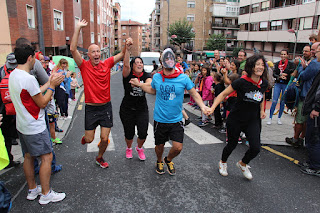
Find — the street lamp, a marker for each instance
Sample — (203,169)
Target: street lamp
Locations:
(295,43)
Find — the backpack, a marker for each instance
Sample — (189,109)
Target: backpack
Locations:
(4,92)
(291,94)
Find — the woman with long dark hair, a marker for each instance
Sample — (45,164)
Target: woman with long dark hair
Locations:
(246,113)
(134,109)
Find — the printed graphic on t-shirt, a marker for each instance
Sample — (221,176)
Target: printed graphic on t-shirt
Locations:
(137,91)
(254,96)
(168,92)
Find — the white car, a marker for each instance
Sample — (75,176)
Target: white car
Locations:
(147,58)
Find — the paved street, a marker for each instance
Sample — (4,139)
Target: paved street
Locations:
(134,186)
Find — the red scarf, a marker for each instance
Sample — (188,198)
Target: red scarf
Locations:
(282,66)
(138,76)
(245,77)
(177,71)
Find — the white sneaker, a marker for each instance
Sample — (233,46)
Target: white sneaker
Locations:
(52,196)
(33,194)
(279,121)
(223,169)
(245,170)
(269,121)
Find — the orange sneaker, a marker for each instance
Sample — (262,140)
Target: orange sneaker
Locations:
(100,142)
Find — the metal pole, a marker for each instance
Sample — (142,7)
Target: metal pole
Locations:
(295,45)
(168,1)
(40,27)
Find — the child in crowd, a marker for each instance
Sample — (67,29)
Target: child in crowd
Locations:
(218,88)
(205,88)
(194,74)
(74,84)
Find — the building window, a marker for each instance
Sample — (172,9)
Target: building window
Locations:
(255,8)
(263,26)
(77,1)
(30,16)
(98,37)
(253,26)
(124,34)
(190,17)
(124,41)
(58,20)
(98,18)
(265,5)
(306,23)
(91,16)
(92,38)
(244,10)
(191,4)
(308,1)
(276,25)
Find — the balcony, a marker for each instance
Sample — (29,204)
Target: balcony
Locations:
(157,1)
(116,17)
(158,23)
(115,36)
(221,25)
(158,12)
(157,35)
(115,27)
(231,36)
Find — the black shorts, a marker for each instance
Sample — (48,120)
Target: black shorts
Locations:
(98,115)
(132,118)
(164,132)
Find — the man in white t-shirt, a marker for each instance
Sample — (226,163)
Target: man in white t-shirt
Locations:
(29,103)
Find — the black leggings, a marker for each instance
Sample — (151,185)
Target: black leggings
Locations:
(252,130)
(132,118)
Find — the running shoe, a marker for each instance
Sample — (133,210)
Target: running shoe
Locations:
(239,140)
(159,168)
(223,131)
(141,154)
(129,153)
(223,169)
(102,163)
(170,167)
(279,121)
(309,171)
(245,171)
(201,124)
(83,141)
(56,141)
(269,121)
(34,193)
(52,196)
(58,130)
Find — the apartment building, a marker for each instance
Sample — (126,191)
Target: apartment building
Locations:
(146,37)
(155,27)
(195,11)
(264,25)
(132,29)
(224,20)
(117,26)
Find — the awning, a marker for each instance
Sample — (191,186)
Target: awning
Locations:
(210,55)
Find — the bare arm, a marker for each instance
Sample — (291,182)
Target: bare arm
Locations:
(42,100)
(221,97)
(126,60)
(144,86)
(74,42)
(197,98)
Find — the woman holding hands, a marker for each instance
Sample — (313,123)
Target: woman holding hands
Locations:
(246,114)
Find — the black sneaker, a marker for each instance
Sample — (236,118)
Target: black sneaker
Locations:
(294,144)
(309,171)
(187,122)
(159,168)
(170,167)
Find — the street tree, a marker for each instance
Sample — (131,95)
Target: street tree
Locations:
(216,42)
(181,32)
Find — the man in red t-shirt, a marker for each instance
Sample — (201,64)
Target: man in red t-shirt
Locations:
(96,79)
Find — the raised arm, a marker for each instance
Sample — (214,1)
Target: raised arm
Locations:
(120,56)
(74,42)
(126,60)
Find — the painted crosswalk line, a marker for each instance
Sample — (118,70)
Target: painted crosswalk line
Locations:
(199,135)
(192,110)
(93,146)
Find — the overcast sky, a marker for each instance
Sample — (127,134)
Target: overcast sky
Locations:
(136,10)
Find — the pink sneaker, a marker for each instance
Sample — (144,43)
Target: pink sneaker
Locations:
(141,153)
(129,153)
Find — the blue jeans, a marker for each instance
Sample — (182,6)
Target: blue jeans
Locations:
(313,143)
(278,88)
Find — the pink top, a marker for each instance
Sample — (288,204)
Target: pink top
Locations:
(206,89)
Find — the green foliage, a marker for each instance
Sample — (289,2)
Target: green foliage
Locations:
(216,42)
(183,30)
(236,51)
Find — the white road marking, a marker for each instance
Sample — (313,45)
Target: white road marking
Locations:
(149,143)
(199,135)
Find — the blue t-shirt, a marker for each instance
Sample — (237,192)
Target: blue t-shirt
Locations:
(169,97)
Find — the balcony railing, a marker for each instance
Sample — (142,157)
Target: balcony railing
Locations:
(158,23)
(157,11)
(157,35)
(215,25)
(231,36)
